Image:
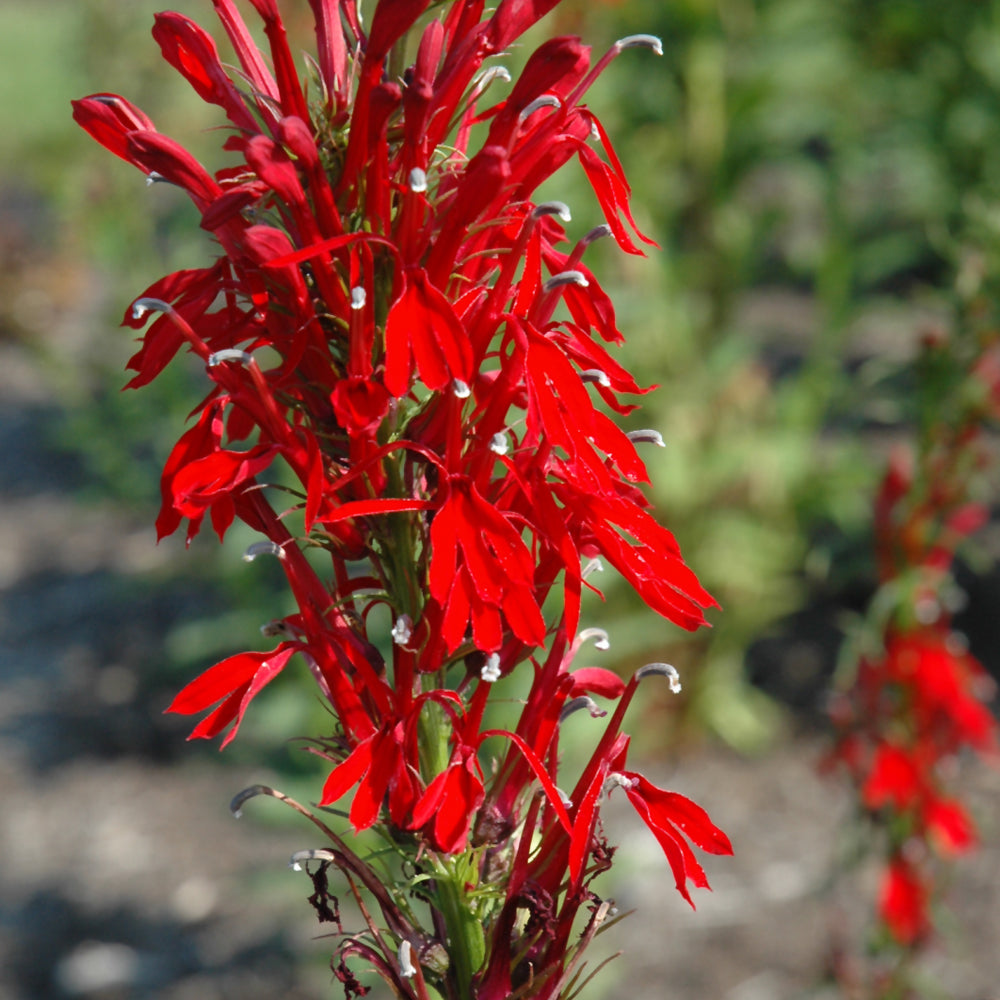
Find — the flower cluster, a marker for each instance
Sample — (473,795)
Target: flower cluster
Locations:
(921,698)
(380,341)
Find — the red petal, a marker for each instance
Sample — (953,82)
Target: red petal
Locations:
(347,773)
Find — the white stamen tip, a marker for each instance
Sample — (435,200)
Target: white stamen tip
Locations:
(593,566)
(559,208)
(402,631)
(358,298)
(597,233)
(564,798)
(295,866)
(566,278)
(583,701)
(406,968)
(229,354)
(596,375)
(153,178)
(545,101)
(646,436)
(237,814)
(661,670)
(460,388)
(417,180)
(499,444)
(491,669)
(491,74)
(273,629)
(640,41)
(267,548)
(142,306)
(600,637)
(616,780)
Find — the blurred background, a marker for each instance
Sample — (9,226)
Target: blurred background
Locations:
(823,178)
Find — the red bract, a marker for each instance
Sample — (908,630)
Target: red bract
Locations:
(450,443)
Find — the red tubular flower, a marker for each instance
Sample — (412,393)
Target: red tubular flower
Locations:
(903,902)
(672,818)
(451,444)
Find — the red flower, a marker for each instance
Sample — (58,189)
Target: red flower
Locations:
(903,902)
(449,445)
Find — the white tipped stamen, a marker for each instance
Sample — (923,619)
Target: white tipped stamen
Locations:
(272,630)
(499,444)
(358,298)
(417,180)
(142,306)
(491,669)
(564,798)
(616,780)
(597,233)
(406,968)
(646,436)
(593,566)
(595,132)
(154,178)
(315,854)
(460,388)
(566,278)
(545,101)
(559,208)
(596,375)
(402,631)
(266,548)
(661,670)
(640,41)
(229,354)
(491,74)
(583,701)
(600,637)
